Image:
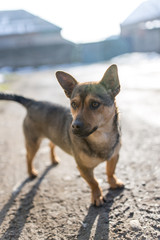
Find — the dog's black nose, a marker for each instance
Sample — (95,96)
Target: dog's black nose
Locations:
(77,125)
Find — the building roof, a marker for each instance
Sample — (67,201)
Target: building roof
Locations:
(148,10)
(21,22)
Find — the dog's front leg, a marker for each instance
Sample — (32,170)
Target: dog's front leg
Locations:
(110,170)
(97,195)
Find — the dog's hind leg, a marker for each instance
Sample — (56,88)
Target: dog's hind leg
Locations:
(32,147)
(54,158)
(32,141)
(110,170)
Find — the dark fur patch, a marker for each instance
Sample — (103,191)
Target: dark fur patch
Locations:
(26,102)
(97,91)
(105,99)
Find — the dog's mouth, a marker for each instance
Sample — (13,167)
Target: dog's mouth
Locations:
(83,134)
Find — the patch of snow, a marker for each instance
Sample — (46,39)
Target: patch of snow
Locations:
(1,78)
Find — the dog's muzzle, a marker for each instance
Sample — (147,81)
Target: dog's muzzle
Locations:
(79,129)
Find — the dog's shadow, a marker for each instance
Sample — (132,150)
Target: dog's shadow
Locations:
(96,223)
(98,217)
(16,225)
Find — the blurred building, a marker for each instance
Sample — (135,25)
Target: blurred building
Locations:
(28,40)
(142,27)
(103,50)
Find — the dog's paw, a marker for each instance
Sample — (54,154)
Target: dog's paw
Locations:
(97,198)
(33,174)
(55,160)
(99,201)
(115,182)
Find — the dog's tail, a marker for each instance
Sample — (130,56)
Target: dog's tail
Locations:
(26,102)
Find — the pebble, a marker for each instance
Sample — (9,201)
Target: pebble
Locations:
(135,225)
(84,224)
(67,178)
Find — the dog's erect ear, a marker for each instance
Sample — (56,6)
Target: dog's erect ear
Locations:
(67,82)
(110,80)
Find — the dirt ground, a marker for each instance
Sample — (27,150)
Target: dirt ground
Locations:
(56,205)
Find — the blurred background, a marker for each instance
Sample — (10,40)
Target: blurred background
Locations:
(43,33)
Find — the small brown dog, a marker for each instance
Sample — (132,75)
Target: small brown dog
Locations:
(90,131)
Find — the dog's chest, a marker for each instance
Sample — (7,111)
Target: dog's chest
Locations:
(89,161)
(96,152)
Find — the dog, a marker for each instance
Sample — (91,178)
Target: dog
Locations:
(89,130)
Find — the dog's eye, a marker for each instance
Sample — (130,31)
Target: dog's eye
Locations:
(74,105)
(94,105)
